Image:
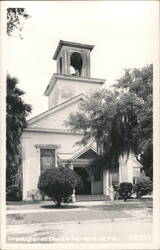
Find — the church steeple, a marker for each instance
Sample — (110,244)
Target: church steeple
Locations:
(73,73)
(73,59)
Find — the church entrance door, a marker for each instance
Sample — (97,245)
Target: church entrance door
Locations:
(86,180)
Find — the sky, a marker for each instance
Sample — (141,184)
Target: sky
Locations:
(122,32)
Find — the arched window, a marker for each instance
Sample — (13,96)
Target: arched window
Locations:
(76,62)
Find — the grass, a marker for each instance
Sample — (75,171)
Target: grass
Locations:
(57,216)
(129,205)
(80,212)
(21,203)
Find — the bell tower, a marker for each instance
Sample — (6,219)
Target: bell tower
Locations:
(73,59)
(73,73)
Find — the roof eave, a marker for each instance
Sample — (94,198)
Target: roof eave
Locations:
(71,44)
(69,77)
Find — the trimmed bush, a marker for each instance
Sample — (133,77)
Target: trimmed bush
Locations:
(13,193)
(58,183)
(143,187)
(125,190)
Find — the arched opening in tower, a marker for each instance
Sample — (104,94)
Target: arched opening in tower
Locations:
(60,65)
(76,63)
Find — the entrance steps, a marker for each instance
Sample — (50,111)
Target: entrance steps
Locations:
(93,197)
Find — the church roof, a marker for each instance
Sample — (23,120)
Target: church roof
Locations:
(56,108)
(80,152)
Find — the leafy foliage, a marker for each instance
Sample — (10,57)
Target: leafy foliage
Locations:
(146,158)
(109,118)
(16,110)
(14,16)
(120,121)
(143,187)
(125,190)
(35,195)
(140,82)
(16,113)
(13,193)
(58,183)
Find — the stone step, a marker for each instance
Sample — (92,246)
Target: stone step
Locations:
(92,198)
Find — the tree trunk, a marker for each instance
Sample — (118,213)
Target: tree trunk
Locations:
(58,202)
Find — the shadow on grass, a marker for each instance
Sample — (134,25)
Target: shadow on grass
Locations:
(67,206)
(143,199)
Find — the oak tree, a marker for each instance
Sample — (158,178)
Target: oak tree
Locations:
(16,112)
(119,120)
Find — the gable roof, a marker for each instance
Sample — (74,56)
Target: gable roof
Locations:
(75,155)
(83,150)
(90,154)
(57,108)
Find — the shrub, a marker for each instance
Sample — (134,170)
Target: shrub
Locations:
(116,191)
(143,187)
(125,190)
(13,193)
(58,183)
(35,195)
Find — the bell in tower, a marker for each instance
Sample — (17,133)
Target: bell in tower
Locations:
(76,62)
(73,73)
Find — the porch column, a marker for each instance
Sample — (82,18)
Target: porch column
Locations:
(120,173)
(125,169)
(26,167)
(130,164)
(110,179)
(73,194)
(105,182)
(92,180)
(71,166)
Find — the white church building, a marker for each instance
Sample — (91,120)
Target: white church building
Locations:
(47,142)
